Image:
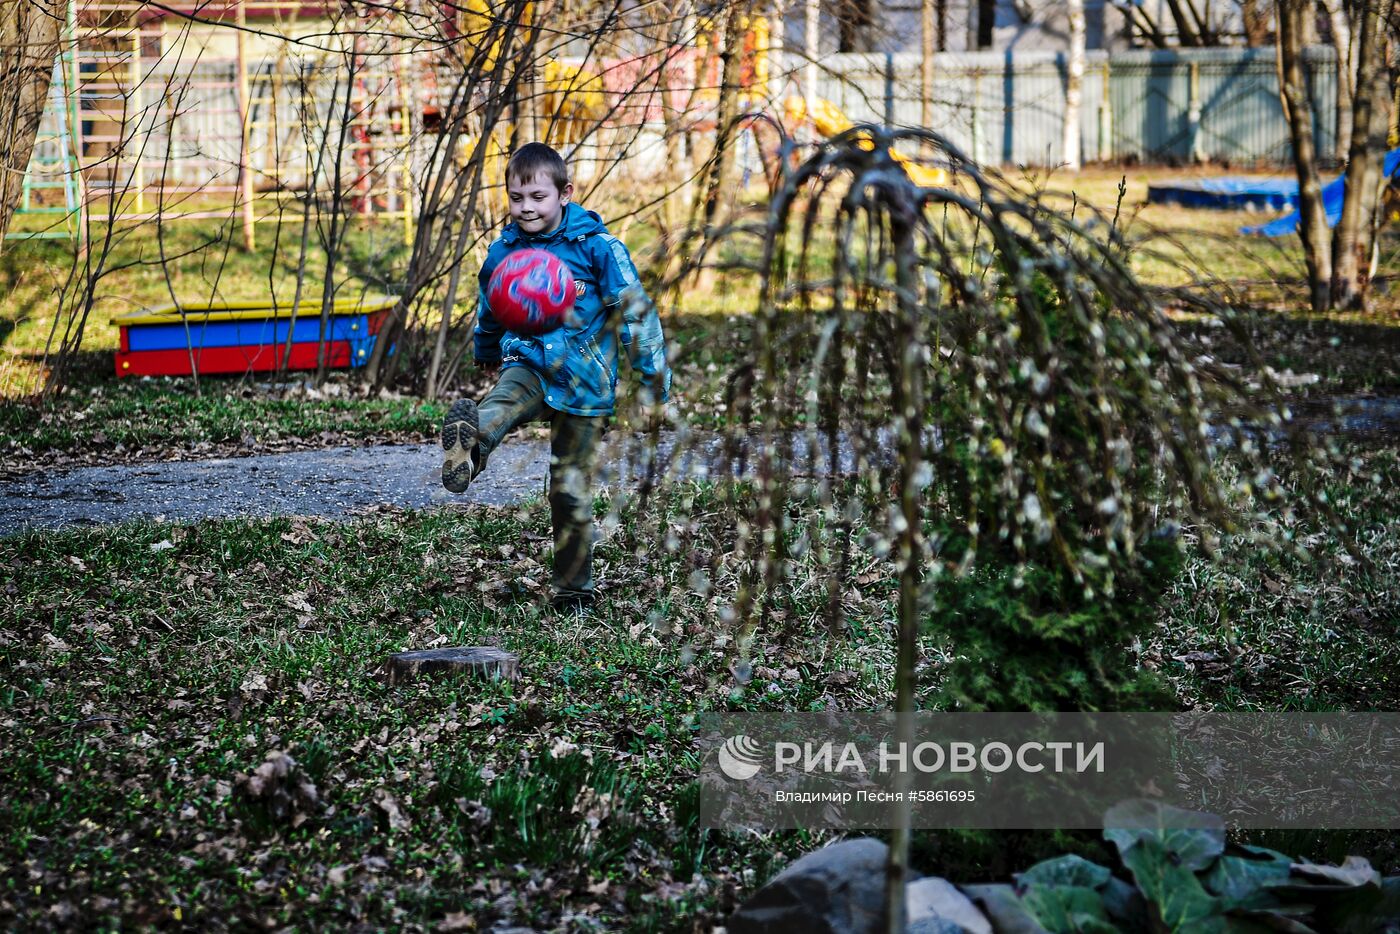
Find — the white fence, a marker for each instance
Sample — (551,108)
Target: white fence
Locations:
(1161,106)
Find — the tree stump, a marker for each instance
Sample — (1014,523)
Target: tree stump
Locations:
(479,661)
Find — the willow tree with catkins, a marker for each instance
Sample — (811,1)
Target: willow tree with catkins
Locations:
(1001,382)
(979,380)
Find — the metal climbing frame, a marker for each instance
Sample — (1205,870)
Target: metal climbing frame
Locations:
(53,165)
(225,108)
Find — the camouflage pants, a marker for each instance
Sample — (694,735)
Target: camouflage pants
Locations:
(519,397)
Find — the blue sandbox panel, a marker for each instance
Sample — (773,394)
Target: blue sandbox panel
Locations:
(242,333)
(1230,194)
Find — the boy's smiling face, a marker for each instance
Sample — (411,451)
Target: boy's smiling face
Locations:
(536,205)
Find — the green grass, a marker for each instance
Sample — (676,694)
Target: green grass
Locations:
(150,668)
(1298,627)
(102,421)
(161,676)
(710,330)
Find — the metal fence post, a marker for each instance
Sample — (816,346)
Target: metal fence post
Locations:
(889,90)
(245,168)
(1105,115)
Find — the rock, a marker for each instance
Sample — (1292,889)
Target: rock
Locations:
(841,890)
(935,906)
(482,661)
(933,925)
(836,890)
(1005,910)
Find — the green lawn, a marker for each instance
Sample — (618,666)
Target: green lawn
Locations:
(157,676)
(152,669)
(709,330)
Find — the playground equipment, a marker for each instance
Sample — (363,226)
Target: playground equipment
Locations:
(53,165)
(244,337)
(187,111)
(1240,193)
(228,108)
(1333,194)
(828,120)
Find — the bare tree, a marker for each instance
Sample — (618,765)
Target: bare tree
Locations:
(483,91)
(1341,30)
(1317,252)
(1196,23)
(1257,20)
(1370,117)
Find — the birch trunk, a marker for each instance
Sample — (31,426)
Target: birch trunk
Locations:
(1346,72)
(1074,84)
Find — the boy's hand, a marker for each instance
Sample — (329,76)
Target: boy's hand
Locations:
(654,415)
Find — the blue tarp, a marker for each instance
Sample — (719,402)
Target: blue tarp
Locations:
(1332,196)
(1232,193)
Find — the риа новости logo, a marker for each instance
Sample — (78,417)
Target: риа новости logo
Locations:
(738,758)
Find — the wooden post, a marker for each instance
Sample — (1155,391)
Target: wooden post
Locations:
(889,90)
(976,101)
(928,36)
(133,111)
(812,48)
(245,175)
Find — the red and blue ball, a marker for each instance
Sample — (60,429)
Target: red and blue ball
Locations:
(531,292)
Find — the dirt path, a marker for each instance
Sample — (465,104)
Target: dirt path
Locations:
(342,481)
(333,482)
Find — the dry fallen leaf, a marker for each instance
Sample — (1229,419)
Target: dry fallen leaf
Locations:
(254,683)
(281,787)
(298,602)
(457,921)
(390,806)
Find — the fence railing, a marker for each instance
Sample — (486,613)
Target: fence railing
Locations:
(1160,106)
(182,134)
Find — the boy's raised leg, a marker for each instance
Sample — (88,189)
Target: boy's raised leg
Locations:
(460,431)
(471,432)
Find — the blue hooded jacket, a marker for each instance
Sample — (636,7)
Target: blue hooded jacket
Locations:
(577,364)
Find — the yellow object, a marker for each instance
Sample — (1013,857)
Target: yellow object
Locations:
(249,310)
(478,21)
(828,120)
(757,29)
(757,41)
(573,102)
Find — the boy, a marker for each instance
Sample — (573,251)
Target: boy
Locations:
(567,377)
